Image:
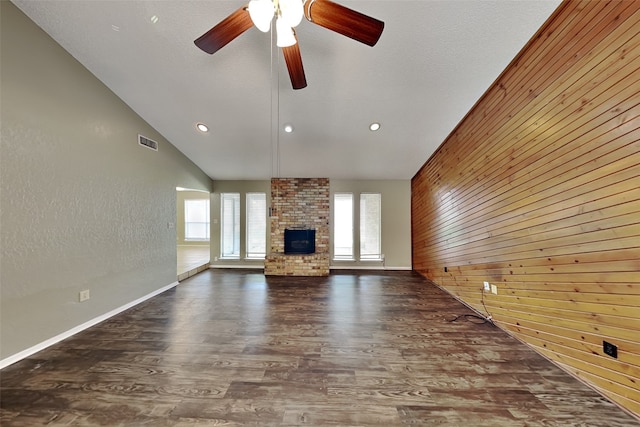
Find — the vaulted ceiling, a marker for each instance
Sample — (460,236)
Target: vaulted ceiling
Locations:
(434,60)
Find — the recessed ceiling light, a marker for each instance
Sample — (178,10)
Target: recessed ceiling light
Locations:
(288,128)
(202,127)
(154,19)
(374,126)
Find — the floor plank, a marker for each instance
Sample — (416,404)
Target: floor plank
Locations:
(191,260)
(230,347)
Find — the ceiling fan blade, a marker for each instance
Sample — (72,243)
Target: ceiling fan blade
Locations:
(226,30)
(294,64)
(343,20)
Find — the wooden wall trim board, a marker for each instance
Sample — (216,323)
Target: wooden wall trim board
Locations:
(537,191)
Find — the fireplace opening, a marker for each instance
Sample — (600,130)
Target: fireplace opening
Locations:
(299,241)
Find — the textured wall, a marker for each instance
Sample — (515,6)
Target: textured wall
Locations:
(83,206)
(537,192)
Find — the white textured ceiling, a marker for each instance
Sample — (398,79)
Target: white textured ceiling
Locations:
(433,62)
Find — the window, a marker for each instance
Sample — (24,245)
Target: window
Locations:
(196,220)
(230,225)
(370,220)
(369,215)
(256,225)
(343,226)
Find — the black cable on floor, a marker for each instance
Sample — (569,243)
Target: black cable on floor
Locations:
(473,318)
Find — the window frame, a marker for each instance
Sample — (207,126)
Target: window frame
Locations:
(362,235)
(249,253)
(207,222)
(236,208)
(336,224)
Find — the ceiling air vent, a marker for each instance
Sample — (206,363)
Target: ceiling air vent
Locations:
(146,142)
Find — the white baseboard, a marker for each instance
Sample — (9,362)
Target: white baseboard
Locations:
(331,267)
(51,341)
(365,267)
(247,266)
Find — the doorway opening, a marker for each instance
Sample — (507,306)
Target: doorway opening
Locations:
(193,232)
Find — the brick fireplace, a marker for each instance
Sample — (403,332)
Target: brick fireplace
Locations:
(299,203)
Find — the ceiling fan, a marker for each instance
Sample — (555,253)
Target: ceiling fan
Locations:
(288,14)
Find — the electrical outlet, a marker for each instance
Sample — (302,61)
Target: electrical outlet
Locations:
(494,289)
(610,349)
(84,295)
(486,286)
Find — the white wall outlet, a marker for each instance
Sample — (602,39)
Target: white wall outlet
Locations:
(486,286)
(494,289)
(84,295)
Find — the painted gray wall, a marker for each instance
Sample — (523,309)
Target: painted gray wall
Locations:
(242,187)
(396,220)
(82,205)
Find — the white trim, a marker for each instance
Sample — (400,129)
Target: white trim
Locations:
(332,267)
(367,267)
(248,266)
(51,341)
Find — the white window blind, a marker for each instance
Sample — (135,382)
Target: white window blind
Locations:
(196,220)
(343,226)
(370,224)
(230,225)
(256,225)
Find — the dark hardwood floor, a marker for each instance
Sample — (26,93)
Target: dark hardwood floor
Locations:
(230,347)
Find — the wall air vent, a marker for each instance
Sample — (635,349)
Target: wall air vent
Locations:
(146,142)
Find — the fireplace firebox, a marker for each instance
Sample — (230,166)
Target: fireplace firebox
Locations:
(299,241)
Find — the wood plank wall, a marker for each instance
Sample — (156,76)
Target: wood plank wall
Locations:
(538,192)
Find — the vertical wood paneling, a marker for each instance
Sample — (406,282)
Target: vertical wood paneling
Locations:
(538,192)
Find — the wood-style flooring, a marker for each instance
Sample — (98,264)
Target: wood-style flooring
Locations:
(191,260)
(229,347)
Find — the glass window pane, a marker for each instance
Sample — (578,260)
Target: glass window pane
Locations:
(343,226)
(370,223)
(230,225)
(196,220)
(256,225)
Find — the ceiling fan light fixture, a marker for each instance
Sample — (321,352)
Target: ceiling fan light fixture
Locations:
(261,13)
(291,11)
(285,35)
